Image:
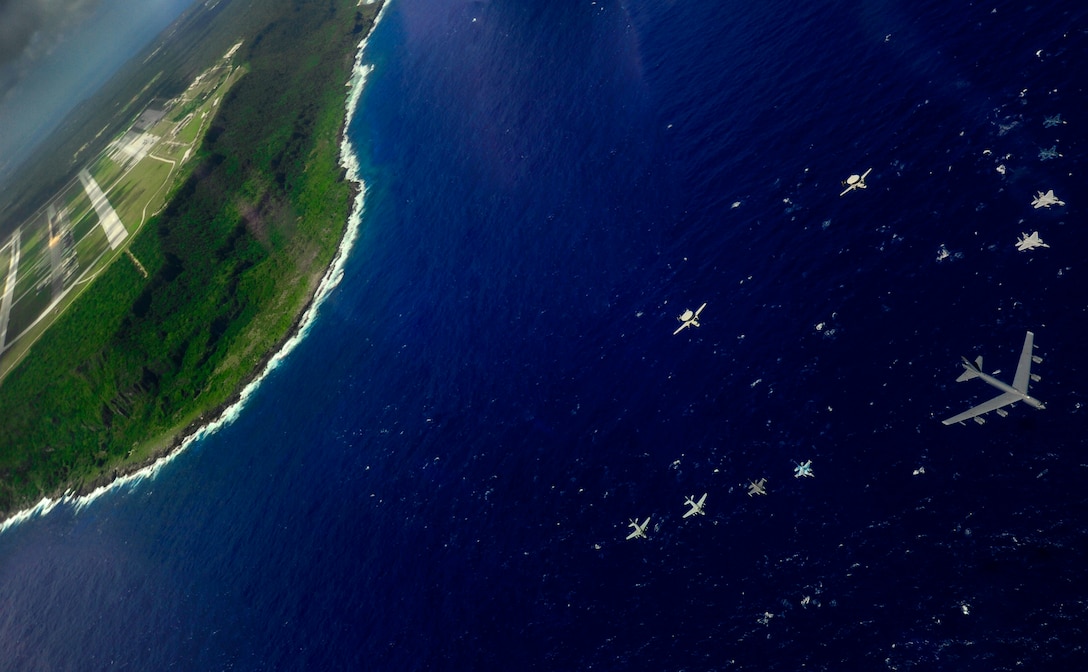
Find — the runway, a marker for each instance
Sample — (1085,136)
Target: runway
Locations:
(9,289)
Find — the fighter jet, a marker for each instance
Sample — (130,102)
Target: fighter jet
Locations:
(1011,394)
(803,469)
(696,506)
(757,487)
(855,182)
(1056,120)
(640,530)
(1031,242)
(1048,154)
(688,319)
(1046,200)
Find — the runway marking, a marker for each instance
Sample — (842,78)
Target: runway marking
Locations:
(9,288)
(107,216)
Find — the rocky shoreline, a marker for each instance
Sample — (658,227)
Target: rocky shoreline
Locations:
(320,281)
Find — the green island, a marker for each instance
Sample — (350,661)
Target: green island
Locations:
(168,244)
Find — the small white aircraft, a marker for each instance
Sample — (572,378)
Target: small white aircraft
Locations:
(688,318)
(1011,394)
(1046,200)
(803,469)
(640,530)
(696,506)
(757,487)
(1031,242)
(855,182)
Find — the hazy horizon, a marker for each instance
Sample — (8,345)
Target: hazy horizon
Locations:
(55,54)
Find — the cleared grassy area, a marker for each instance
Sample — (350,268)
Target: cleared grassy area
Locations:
(143,192)
(137,188)
(232,261)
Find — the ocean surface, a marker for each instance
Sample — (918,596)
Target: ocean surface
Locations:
(441,474)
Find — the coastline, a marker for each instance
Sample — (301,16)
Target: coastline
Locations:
(225,413)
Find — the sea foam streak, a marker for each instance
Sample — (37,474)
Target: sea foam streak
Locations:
(350,163)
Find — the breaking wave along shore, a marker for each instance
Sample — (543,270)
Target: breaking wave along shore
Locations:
(349,161)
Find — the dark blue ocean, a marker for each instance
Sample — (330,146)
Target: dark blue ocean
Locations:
(441,475)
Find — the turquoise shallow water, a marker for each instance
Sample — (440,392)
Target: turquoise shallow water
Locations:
(441,474)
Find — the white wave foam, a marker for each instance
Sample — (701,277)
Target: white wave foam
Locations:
(349,161)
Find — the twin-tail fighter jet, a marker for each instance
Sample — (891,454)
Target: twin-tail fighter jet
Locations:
(803,469)
(855,182)
(1046,200)
(696,506)
(757,487)
(688,318)
(1030,242)
(640,530)
(1010,394)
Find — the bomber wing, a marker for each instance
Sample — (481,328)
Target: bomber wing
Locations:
(1023,368)
(985,407)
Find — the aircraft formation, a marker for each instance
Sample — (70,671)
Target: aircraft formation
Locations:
(696,507)
(1017,392)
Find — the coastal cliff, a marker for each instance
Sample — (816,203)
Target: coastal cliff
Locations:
(231,265)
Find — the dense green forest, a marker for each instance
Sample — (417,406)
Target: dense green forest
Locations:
(232,262)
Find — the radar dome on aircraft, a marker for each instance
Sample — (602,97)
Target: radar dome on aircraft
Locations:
(689,318)
(855,182)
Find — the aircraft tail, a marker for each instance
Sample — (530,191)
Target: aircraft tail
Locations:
(970,369)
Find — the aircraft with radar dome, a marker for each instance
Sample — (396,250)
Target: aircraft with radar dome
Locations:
(640,530)
(696,506)
(1010,394)
(689,318)
(855,182)
(757,487)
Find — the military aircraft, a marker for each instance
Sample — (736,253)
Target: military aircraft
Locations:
(803,469)
(1011,394)
(1046,200)
(757,487)
(855,182)
(1056,120)
(696,506)
(688,318)
(640,530)
(1048,154)
(1031,242)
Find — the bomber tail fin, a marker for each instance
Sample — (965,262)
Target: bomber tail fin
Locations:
(970,369)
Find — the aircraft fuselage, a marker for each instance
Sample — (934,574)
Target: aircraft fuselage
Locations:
(1003,386)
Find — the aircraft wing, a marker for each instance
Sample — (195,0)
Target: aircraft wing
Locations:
(1023,369)
(691,512)
(985,407)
